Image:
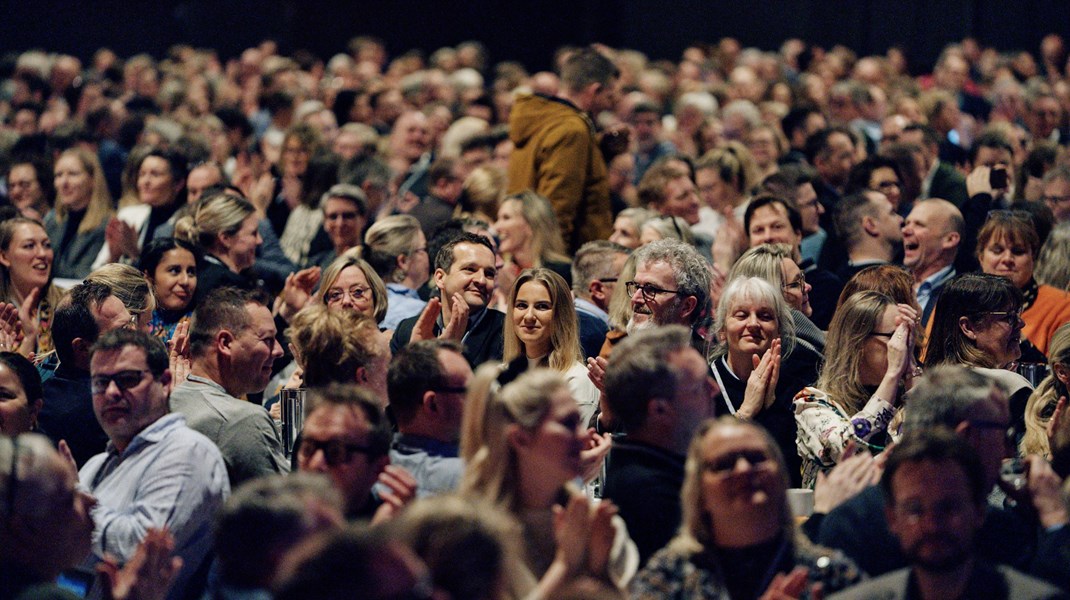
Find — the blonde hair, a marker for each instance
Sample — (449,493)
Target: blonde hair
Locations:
(351,258)
(564,334)
(127,284)
(696,526)
(211,217)
(333,344)
(851,326)
(391,237)
(734,165)
(765,262)
(546,241)
(484,189)
(491,470)
(99,209)
(1035,440)
(620,302)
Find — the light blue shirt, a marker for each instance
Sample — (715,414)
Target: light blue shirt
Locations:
(401,303)
(434,464)
(811,245)
(168,476)
(925,290)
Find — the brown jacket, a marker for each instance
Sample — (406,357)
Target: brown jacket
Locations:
(558,157)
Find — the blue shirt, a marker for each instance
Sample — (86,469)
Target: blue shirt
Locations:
(401,303)
(168,476)
(433,463)
(925,290)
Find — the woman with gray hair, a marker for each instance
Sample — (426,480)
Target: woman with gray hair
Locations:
(750,361)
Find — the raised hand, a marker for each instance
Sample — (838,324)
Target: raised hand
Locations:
(297,291)
(596,448)
(761,384)
(179,356)
(147,575)
(401,489)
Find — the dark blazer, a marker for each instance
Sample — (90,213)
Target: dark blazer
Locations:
(67,414)
(481,344)
(77,261)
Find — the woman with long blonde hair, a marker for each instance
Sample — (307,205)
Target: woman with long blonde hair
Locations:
(523,442)
(541,325)
(76,224)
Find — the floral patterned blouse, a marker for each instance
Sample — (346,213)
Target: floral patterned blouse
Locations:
(824,429)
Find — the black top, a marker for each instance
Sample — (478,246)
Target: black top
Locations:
(797,371)
(644,482)
(67,414)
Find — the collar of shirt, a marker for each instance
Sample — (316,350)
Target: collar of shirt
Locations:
(207,382)
(397,288)
(150,435)
(408,441)
(592,309)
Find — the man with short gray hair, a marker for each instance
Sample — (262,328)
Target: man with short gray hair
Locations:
(671,286)
(1057,192)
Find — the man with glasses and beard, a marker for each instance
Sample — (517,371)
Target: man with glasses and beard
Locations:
(935,489)
(671,286)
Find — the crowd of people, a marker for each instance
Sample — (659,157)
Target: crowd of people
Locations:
(595,332)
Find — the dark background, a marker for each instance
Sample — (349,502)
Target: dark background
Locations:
(526,31)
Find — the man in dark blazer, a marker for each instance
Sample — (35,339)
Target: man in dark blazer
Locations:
(464,276)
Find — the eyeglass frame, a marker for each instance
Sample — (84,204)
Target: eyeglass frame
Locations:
(99,384)
(315,446)
(343,292)
(650,291)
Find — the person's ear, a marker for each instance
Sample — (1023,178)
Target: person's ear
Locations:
(1062,372)
(951,240)
(403,262)
(689,305)
(518,437)
(967,328)
(35,411)
(224,342)
(440,278)
(430,401)
(869,225)
(361,376)
(890,517)
(658,407)
(4,260)
(167,380)
(596,289)
(81,346)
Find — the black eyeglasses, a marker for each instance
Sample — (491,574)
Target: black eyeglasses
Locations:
(124,380)
(726,464)
(448,389)
(650,292)
(355,292)
(335,452)
(608,280)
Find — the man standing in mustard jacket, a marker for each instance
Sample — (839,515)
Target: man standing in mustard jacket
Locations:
(557,152)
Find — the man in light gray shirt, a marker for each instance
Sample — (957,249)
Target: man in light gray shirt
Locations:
(233,346)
